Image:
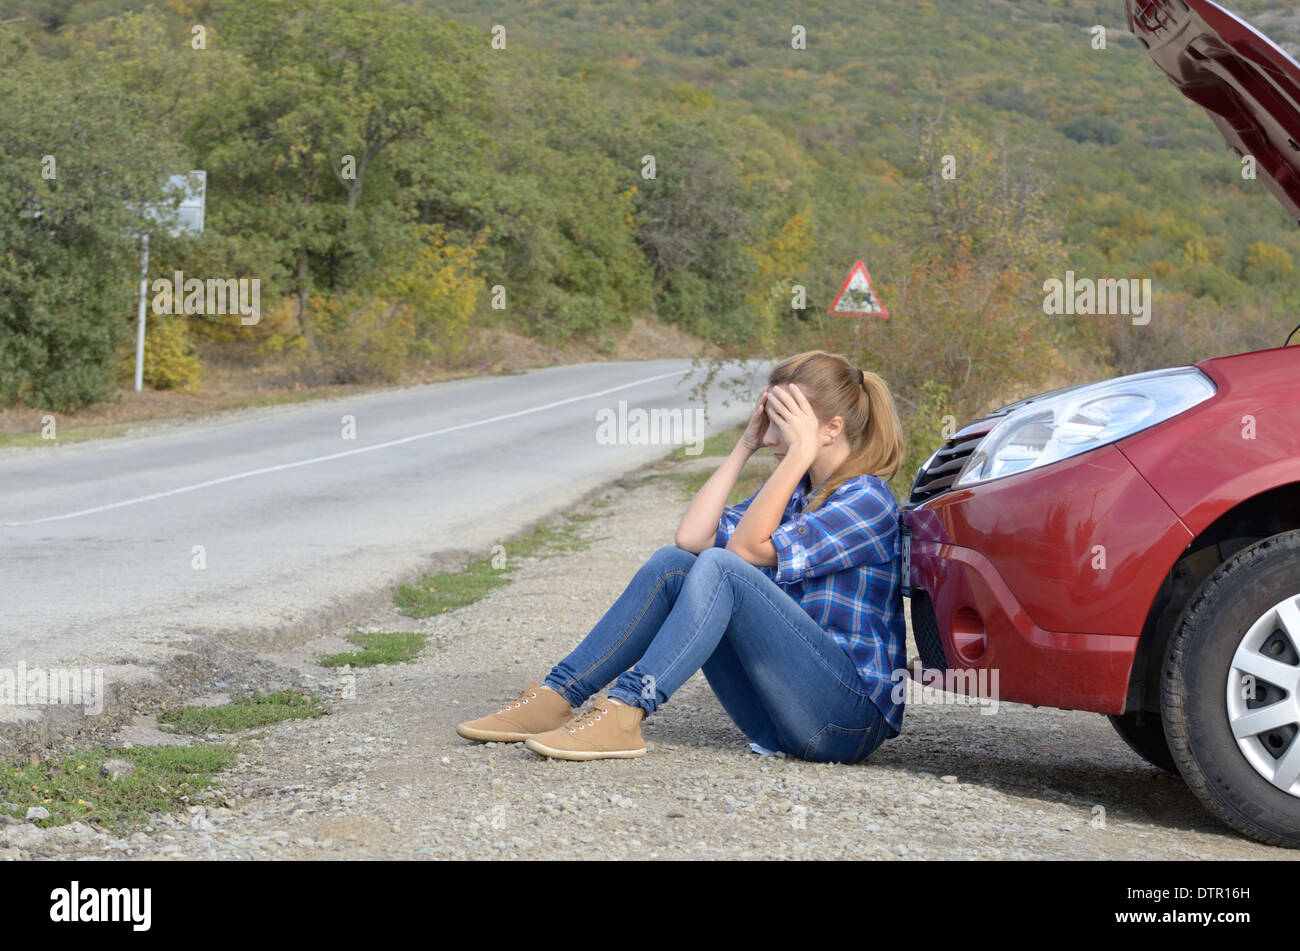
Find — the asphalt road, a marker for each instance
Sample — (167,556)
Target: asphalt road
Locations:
(101,543)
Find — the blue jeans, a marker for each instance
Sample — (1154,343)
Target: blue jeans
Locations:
(783,680)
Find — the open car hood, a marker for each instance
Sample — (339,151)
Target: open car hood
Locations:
(1248,84)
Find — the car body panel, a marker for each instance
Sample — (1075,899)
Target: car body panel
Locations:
(1242,442)
(1048,668)
(1069,540)
(1044,563)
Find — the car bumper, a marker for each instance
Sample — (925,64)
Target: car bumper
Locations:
(1045,577)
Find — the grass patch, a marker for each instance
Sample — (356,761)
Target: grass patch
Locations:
(166,779)
(438,592)
(749,482)
(81,434)
(395,647)
(549,539)
(75,434)
(245,713)
(719,444)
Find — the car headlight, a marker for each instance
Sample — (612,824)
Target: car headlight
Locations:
(1083,418)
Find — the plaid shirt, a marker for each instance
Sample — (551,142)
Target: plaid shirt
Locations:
(841,564)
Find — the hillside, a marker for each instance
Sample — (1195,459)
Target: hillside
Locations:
(612,161)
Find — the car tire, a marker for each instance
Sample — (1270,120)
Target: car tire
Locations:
(1224,643)
(1145,735)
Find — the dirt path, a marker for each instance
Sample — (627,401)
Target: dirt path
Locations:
(386,775)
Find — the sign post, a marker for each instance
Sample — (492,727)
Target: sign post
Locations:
(144,293)
(191,211)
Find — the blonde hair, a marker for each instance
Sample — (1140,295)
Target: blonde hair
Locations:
(835,387)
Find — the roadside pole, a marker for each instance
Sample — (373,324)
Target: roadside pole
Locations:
(144,291)
(192,208)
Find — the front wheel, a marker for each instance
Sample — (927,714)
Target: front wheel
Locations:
(1230,697)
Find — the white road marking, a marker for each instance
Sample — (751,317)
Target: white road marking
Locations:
(339,455)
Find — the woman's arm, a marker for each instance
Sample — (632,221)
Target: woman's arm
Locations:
(752,539)
(699,525)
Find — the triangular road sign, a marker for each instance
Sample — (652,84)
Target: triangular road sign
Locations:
(857,297)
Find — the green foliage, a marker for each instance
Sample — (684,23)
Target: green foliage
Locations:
(439,592)
(1023,73)
(928,424)
(1267,262)
(1092,129)
(170,360)
(394,647)
(967,326)
(70,787)
(245,713)
(555,209)
(418,304)
(379,167)
(442,592)
(1186,329)
(361,97)
(439,285)
(359,338)
(74,151)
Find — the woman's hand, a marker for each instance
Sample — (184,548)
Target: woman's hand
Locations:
(792,414)
(752,439)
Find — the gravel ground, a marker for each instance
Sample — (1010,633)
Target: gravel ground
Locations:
(386,776)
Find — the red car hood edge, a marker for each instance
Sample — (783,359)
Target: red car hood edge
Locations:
(1247,83)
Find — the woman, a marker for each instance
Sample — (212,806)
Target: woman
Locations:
(789,602)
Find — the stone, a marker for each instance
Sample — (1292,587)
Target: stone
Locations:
(116,769)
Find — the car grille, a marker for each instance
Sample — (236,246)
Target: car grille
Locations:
(944,467)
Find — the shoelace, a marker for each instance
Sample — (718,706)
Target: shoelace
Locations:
(520,700)
(585,718)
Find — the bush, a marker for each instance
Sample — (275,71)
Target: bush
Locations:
(1092,129)
(170,360)
(1267,262)
(358,339)
(439,286)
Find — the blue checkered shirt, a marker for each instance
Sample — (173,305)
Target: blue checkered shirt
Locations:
(841,564)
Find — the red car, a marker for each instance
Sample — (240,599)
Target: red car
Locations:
(1132,547)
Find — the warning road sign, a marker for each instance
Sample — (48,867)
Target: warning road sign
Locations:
(857,297)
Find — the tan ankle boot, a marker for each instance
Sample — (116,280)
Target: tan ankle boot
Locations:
(604,731)
(534,711)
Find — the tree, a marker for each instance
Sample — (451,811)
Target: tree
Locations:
(966,332)
(323,94)
(75,153)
